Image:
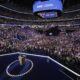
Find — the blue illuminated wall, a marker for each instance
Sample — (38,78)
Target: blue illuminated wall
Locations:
(47,5)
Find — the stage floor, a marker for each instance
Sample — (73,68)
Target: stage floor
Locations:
(43,68)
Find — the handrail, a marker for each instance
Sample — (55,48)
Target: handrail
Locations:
(32,13)
(72,11)
(39,20)
(15,10)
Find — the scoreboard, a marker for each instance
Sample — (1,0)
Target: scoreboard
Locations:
(48,8)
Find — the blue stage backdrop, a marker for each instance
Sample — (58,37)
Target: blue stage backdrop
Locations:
(48,5)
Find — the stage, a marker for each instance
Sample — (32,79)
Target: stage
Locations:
(37,67)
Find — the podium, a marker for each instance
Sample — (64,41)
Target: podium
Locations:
(14,69)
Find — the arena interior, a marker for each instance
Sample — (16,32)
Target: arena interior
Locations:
(41,33)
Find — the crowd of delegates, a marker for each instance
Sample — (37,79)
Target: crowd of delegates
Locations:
(65,46)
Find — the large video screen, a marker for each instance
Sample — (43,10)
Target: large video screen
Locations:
(47,5)
(48,14)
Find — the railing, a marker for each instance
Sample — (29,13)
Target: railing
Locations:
(3,6)
(60,20)
(15,10)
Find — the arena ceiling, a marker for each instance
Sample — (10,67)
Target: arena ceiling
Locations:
(28,3)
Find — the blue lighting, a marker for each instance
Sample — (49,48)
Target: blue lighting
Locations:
(47,5)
